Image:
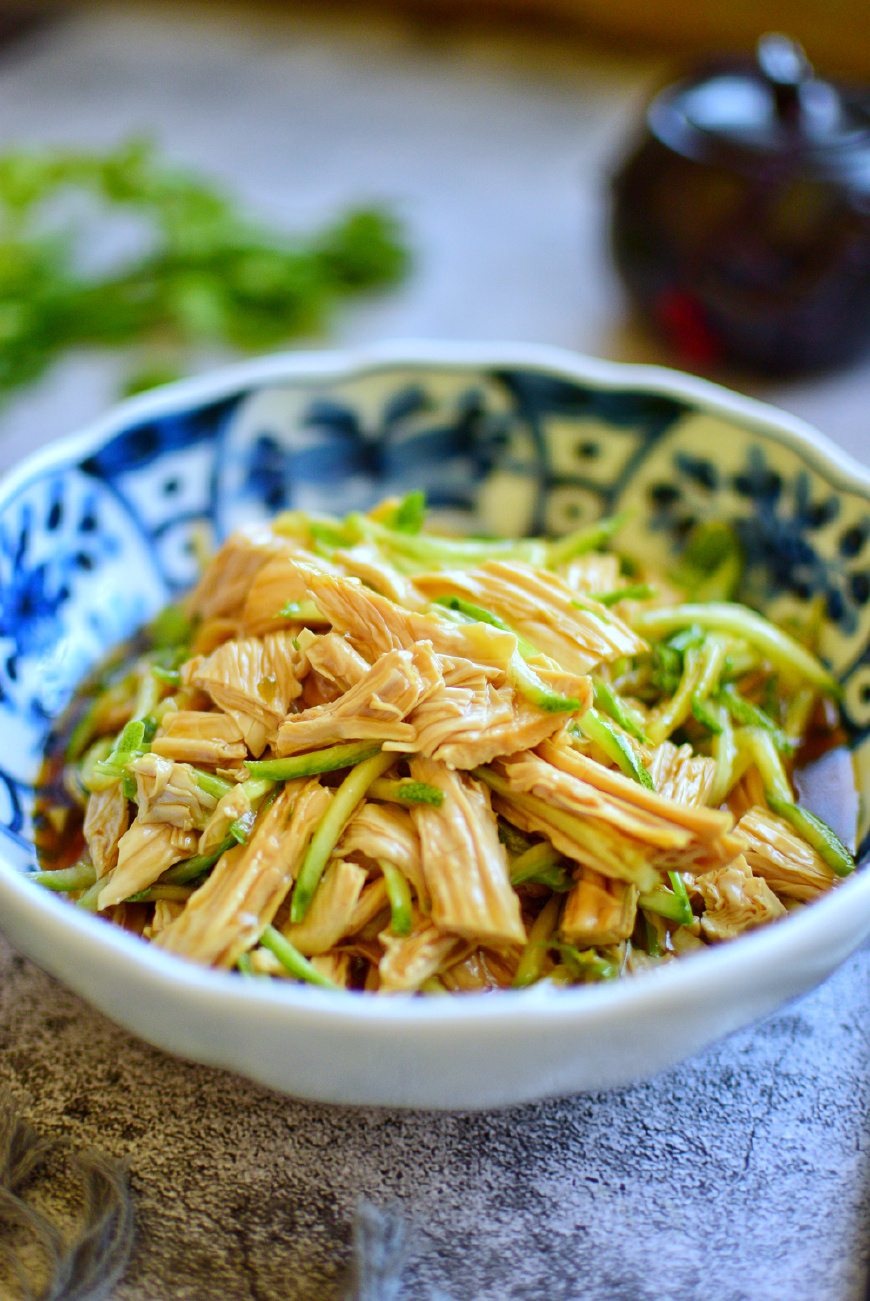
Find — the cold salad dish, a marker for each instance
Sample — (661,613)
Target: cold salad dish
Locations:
(372,758)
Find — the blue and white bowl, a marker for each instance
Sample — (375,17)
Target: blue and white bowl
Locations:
(97,533)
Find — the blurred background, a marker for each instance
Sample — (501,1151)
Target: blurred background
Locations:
(185,183)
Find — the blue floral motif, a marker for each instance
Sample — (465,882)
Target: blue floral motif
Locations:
(412,440)
(776,524)
(38,580)
(89,550)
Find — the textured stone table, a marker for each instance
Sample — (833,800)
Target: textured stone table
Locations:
(741,1176)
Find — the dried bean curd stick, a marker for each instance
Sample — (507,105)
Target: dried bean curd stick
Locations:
(695,703)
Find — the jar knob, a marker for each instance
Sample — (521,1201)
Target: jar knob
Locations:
(785,68)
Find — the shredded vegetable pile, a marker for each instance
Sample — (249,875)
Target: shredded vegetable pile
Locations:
(371,758)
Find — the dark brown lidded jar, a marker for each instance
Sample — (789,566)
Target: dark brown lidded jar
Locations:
(741,223)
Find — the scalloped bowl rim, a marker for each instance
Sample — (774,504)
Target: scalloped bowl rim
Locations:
(654,990)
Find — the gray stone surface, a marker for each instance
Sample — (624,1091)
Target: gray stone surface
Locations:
(740,1176)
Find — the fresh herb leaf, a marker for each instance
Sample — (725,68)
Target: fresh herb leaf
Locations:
(205,275)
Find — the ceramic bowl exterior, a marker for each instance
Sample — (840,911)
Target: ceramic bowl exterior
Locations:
(99,531)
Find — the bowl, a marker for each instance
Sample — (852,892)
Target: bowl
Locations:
(98,531)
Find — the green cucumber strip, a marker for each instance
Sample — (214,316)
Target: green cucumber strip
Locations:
(330,536)
(654,949)
(130,741)
(349,794)
(307,765)
(724,750)
(686,638)
(585,539)
(407,792)
(241,829)
(81,734)
(759,744)
(723,616)
(533,956)
(78,877)
(543,865)
(615,746)
(256,788)
(98,752)
(702,665)
(470,611)
(190,868)
(706,714)
(679,887)
(817,833)
(292,959)
(399,895)
(175,893)
(634,592)
(583,963)
(427,550)
(103,774)
(171,677)
(749,715)
(516,842)
(88,901)
(667,903)
(667,668)
(170,628)
(601,615)
(131,744)
(213,785)
(479,615)
(609,703)
(525,681)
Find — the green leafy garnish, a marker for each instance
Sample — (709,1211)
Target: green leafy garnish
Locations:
(204,273)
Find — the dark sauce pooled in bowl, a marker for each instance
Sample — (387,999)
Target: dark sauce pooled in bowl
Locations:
(58,816)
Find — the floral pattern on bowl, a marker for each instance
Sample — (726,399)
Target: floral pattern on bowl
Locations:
(497,450)
(97,533)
